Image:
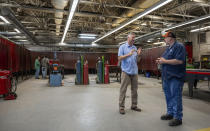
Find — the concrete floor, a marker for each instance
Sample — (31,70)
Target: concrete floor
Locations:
(95,108)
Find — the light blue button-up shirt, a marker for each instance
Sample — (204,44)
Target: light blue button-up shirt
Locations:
(129,64)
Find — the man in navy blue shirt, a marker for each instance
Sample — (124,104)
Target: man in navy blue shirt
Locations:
(173,73)
(128,56)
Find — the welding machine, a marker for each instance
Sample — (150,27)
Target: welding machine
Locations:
(55,76)
(8,85)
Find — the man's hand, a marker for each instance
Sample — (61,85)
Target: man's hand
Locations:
(131,53)
(161,60)
(125,56)
(139,51)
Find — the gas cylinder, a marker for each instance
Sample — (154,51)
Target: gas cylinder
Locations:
(85,75)
(106,74)
(78,72)
(99,72)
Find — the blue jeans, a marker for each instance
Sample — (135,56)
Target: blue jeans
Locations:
(37,73)
(44,72)
(173,94)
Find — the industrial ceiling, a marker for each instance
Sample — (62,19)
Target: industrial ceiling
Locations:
(42,23)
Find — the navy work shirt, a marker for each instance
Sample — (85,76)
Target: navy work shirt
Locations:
(176,51)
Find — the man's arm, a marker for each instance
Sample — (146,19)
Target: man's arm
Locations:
(125,56)
(138,58)
(139,53)
(178,57)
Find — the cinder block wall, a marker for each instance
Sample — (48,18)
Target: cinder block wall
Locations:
(204,48)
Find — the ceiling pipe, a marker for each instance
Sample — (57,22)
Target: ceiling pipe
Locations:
(9,15)
(59,4)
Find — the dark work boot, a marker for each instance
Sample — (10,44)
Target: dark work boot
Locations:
(122,111)
(175,122)
(166,117)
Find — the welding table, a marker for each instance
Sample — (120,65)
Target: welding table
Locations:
(194,75)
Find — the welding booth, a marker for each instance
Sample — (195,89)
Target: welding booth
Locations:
(102,72)
(81,67)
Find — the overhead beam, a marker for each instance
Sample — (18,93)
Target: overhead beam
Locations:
(108,5)
(134,18)
(6,12)
(83,14)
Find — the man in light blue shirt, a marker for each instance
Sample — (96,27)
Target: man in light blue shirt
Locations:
(128,55)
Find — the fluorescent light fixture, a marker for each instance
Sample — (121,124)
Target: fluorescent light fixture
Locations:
(62,43)
(142,14)
(149,41)
(200,29)
(22,40)
(71,14)
(122,42)
(30,27)
(87,37)
(175,26)
(18,37)
(87,34)
(4,19)
(94,44)
(17,30)
(189,22)
(9,33)
(144,24)
(158,43)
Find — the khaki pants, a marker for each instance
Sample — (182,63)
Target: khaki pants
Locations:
(125,81)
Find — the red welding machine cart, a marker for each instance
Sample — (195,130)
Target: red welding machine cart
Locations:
(8,85)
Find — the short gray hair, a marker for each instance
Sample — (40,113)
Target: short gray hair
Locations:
(131,33)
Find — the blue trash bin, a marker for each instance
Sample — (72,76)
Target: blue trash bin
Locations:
(148,74)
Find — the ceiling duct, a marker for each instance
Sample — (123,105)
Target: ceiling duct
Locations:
(59,4)
(9,15)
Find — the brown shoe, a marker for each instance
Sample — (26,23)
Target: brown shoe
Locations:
(122,111)
(136,109)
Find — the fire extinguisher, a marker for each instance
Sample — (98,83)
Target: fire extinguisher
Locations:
(106,74)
